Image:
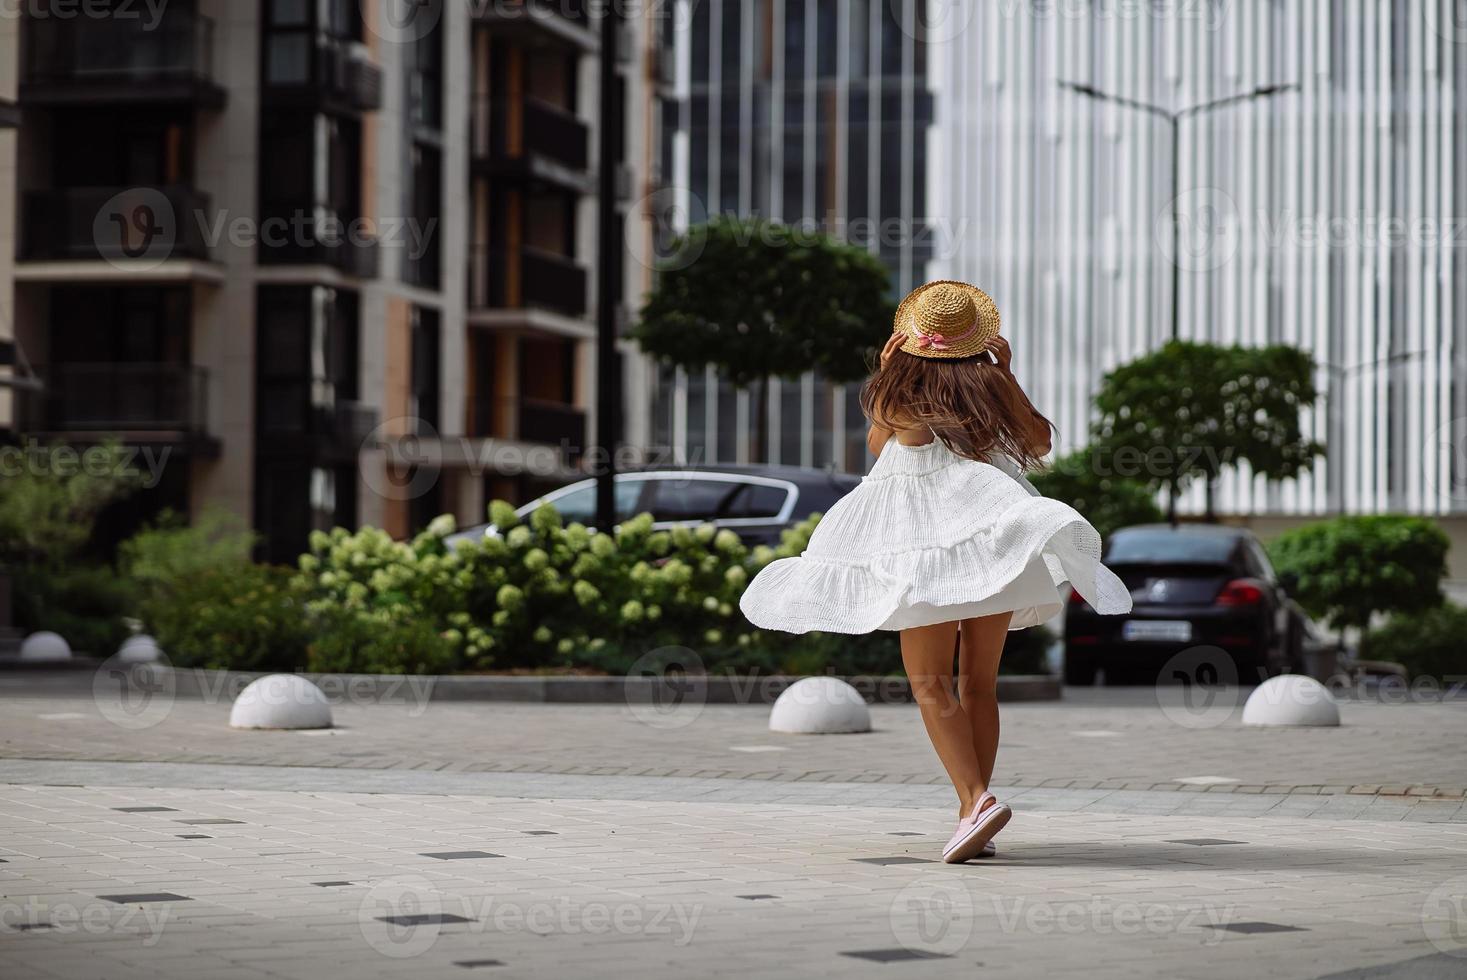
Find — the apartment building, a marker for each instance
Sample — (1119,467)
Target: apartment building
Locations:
(330,260)
(810,112)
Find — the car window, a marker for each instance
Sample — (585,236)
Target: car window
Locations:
(756,500)
(1257,560)
(1166,547)
(691,499)
(580,504)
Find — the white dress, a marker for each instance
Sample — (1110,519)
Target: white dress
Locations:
(931,537)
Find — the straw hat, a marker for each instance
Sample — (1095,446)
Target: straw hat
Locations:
(946,319)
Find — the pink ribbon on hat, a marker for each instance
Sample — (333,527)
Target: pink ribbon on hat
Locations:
(936,341)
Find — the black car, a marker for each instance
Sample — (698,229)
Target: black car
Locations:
(756,502)
(1191,586)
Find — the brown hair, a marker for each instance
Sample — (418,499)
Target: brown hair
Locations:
(972,404)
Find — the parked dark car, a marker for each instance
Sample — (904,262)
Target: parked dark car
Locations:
(1191,586)
(757,502)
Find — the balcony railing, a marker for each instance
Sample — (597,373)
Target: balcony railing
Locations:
(529,420)
(143,397)
(122,57)
(525,277)
(565,18)
(116,223)
(552,423)
(339,75)
(326,239)
(344,429)
(514,134)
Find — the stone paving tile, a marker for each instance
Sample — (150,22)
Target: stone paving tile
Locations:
(655,888)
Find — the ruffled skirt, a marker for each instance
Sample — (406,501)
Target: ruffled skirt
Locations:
(930,537)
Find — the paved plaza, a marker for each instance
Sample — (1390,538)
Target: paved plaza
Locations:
(1153,836)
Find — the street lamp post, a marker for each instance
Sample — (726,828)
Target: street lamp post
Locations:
(608,378)
(1173,118)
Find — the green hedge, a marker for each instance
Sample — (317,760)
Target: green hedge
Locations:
(541,596)
(1428,644)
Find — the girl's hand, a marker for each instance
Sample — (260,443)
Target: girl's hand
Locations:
(1002,353)
(893,344)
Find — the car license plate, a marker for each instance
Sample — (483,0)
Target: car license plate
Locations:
(1157,630)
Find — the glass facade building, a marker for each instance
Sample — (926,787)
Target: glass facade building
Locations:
(813,113)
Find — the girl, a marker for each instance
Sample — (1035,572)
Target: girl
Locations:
(945,540)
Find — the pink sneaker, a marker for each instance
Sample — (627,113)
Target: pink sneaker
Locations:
(976,830)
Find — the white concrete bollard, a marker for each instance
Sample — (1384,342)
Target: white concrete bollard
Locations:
(140,649)
(280,701)
(820,706)
(1291,699)
(43,646)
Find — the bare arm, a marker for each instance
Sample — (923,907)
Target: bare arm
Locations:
(878,435)
(1038,436)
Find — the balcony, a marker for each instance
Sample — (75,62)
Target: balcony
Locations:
(529,420)
(141,402)
(331,241)
(336,76)
(115,224)
(540,21)
(525,138)
(344,429)
(120,60)
(525,278)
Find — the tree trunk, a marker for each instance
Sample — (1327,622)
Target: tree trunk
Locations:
(1171,504)
(1211,489)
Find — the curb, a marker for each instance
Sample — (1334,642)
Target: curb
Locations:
(668,689)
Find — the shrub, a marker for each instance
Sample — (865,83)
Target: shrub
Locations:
(1107,501)
(1428,644)
(1351,567)
(172,551)
(353,643)
(244,617)
(85,603)
(47,516)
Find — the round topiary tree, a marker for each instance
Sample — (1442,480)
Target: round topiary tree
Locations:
(1187,410)
(758,299)
(1349,568)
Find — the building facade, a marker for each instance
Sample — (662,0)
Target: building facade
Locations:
(1319,215)
(812,113)
(332,261)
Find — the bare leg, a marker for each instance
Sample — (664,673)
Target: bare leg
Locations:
(927,654)
(979,651)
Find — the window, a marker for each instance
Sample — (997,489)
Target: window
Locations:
(426,360)
(691,499)
(1165,546)
(756,500)
(580,504)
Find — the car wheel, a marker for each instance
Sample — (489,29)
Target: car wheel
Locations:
(1079,669)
